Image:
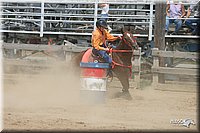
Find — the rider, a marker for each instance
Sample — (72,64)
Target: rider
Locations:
(99,37)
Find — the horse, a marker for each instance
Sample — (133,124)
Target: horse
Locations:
(121,61)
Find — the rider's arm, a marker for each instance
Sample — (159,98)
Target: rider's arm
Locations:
(167,10)
(102,5)
(110,37)
(188,12)
(183,11)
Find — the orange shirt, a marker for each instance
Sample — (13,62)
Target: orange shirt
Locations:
(99,38)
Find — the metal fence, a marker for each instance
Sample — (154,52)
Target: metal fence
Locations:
(77,18)
(73,17)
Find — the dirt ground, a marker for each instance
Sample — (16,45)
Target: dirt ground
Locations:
(50,101)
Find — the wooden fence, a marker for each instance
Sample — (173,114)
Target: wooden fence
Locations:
(156,69)
(186,69)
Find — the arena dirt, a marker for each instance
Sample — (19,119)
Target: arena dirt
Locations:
(50,100)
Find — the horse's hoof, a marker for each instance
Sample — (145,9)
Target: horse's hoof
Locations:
(127,95)
(124,95)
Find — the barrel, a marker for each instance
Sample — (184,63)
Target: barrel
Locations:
(93,82)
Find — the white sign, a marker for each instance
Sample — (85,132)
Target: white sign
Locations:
(94,84)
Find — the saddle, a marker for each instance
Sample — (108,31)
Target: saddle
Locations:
(92,57)
(97,58)
(89,56)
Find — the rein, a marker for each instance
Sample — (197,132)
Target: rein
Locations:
(124,51)
(130,67)
(120,51)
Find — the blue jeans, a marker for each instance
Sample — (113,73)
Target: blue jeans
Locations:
(104,17)
(189,22)
(103,54)
(178,23)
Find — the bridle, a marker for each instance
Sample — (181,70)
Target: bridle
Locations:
(132,38)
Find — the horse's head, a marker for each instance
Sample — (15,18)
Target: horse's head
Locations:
(128,37)
(129,40)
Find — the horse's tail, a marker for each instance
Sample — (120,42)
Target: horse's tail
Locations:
(76,59)
(75,62)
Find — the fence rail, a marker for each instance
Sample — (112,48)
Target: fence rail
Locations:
(66,17)
(186,70)
(156,69)
(44,17)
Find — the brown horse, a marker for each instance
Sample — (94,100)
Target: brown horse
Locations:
(121,64)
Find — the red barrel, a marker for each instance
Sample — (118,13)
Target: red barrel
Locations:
(93,80)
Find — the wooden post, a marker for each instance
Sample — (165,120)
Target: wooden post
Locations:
(138,62)
(155,65)
(159,35)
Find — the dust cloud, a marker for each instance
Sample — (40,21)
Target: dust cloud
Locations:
(49,99)
(55,86)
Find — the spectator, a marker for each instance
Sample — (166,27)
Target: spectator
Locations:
(104,13)
(193,10)
(174,11)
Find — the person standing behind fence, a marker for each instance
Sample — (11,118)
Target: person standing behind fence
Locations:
(104,13)
(175,11)
(193,10)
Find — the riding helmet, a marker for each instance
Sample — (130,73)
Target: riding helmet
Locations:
(101,23)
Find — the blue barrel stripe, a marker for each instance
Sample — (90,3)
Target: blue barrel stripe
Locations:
(94,65)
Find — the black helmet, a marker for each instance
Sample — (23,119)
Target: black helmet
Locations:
(101,23)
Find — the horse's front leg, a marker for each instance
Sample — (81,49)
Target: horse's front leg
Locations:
(123,78)
(123,75)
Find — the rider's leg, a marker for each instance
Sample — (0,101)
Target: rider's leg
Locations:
(107,59)
(105,56)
